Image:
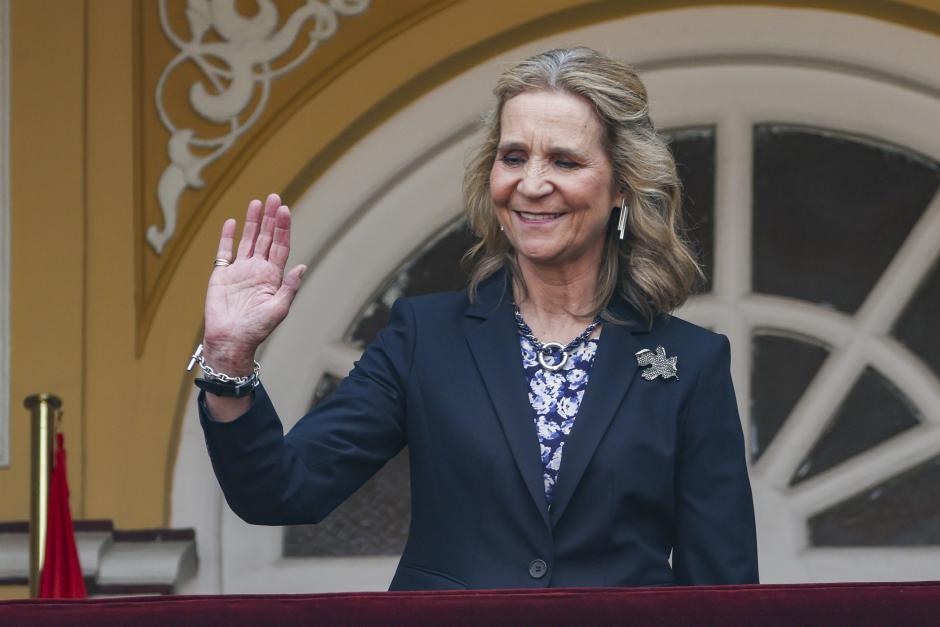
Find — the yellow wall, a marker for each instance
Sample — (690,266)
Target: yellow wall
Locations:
(88,322)
(47,196)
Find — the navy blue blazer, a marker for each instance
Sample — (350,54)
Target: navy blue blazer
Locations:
(651,468)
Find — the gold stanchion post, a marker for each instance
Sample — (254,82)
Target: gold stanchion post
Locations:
(43,409)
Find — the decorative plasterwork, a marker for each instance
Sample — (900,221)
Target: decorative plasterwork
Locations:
(4,233)
(235,56)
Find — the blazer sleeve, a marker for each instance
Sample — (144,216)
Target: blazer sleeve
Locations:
(272,479)
(715,539)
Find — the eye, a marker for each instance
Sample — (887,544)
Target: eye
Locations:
(566,164)
(512,159)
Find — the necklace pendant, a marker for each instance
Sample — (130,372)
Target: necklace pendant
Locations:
(547,349)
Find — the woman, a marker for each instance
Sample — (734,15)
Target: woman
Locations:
(553,441)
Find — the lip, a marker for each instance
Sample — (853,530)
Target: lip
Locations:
(537,217)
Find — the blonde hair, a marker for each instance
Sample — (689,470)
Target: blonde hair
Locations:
(653,267)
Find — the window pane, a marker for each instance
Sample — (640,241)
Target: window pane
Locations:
(694,151)
(830,211)
(324,388)
(873,411)
(918,327)
(782,368)
(433,267)
(902,511)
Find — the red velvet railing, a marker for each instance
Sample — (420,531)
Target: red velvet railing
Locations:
(857,605)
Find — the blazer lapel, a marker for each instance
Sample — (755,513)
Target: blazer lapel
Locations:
(614,371)
(494,344)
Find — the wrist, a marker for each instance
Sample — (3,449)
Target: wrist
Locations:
(221,383)
(237,361)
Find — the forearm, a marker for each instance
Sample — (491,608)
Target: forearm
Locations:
(251,461)
(269,479)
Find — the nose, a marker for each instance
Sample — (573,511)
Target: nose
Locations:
(534,183)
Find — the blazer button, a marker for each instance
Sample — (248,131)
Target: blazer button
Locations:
(537,569)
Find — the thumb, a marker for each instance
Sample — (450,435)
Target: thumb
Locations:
(290,285)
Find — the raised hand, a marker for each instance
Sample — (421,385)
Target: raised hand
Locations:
(248,299)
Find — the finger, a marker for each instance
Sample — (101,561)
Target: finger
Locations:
(250,231)
(280,247)
(266,233)
(289,286)
(227,240)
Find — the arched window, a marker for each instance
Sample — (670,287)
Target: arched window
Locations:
(805,142)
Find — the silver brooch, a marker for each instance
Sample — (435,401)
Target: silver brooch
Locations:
(659,364)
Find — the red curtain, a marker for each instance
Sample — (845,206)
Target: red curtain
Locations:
(61,573)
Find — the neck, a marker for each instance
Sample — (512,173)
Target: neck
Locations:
(556,296)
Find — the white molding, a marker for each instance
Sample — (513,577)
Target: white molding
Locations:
(5,223)
(732,273)
(166,562)
(401,183)
(14,555)
(109,562)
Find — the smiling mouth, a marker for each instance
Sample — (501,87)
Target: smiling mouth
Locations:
(537,217)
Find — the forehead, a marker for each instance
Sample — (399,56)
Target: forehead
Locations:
(539,117)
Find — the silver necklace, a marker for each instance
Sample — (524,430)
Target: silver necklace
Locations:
(550,349)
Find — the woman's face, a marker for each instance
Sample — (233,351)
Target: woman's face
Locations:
(552,183)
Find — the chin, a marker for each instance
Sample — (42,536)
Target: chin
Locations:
(543,255)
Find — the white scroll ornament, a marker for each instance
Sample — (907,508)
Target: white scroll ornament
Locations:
(234,71)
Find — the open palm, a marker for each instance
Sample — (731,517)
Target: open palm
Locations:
(247,299)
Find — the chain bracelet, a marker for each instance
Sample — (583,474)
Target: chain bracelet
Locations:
(212,375)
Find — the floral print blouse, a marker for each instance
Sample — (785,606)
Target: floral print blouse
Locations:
(555,398)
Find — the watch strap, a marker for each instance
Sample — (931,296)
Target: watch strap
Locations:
(227,388)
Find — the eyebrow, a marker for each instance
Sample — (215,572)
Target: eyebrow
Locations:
(553,150)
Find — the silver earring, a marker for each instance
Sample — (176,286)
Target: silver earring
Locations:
(622,222)
(502,228)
